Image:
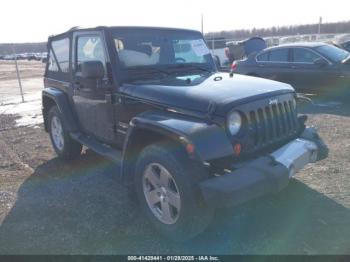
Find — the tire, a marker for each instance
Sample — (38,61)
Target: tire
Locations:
(64,146)
(188,215)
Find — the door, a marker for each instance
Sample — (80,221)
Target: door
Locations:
(274,65)
(92,97)
(311,72)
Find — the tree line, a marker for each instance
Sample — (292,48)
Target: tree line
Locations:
(326,28)
(7,49)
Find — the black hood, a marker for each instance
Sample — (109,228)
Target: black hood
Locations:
(220,90)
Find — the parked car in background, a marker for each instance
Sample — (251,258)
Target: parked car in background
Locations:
(237,50)
(9,57)
(217,47)
(44,57)
(31,56)
(308,66)
(342,41)
(344,45)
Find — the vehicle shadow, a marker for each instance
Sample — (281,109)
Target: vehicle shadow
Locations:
(81,208)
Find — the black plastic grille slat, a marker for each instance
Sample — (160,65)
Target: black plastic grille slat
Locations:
(254,126)
(276,118)
(270,126)
(288,116)
(261,126)
(293,113)
(283,118)
(271,121)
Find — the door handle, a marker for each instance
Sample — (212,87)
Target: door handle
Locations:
(293,67)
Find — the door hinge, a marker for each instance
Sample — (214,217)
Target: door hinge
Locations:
(115,129)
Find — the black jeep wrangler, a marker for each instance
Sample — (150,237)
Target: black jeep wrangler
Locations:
(188,138)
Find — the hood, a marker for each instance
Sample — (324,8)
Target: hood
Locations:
(219,90)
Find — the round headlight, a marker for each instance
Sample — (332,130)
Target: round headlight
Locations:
(234,122)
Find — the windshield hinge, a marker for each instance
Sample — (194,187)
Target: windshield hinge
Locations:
(211,109)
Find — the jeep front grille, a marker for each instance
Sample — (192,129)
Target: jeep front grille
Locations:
(273,122)
(268,122)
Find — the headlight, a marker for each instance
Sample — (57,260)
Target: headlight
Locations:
(234,122)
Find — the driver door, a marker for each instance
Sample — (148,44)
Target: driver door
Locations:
(96,115)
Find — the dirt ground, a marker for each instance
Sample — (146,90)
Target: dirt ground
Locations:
(51,207)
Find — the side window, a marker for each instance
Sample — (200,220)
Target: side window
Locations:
(279,55)
(59,56)
(264,57)
(304,56)
(136,53)
(52,63)
(90,48)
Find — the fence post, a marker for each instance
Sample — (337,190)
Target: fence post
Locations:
(18,74)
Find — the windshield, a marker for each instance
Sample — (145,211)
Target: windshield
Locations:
(153,51)
(333,53)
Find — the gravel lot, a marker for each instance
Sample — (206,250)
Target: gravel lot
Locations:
(51,207)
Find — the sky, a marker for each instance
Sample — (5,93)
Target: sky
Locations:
(35,20)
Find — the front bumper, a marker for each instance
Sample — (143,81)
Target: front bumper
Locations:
(264,175)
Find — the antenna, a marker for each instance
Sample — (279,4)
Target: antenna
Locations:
(202,28)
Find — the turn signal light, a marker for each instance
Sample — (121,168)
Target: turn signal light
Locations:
(233,66)
(237,148)
(190,148)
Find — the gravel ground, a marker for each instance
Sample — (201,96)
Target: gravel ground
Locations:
(51,207)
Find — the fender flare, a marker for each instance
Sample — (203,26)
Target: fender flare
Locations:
(61,100)
(209,140)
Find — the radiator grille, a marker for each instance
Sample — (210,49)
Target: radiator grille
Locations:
(273,122)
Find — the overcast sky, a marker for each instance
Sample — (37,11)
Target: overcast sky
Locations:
(35,20)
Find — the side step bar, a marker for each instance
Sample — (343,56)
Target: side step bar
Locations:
(113,154)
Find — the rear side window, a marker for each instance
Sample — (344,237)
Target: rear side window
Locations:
(279,55)
(304,56)
(59,56)
(264,57)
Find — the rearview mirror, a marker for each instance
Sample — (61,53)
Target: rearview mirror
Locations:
(320,62)
(92,70)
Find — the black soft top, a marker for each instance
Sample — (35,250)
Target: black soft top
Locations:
(105,28)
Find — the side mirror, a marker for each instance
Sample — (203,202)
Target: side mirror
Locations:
(321,62)
(92,70)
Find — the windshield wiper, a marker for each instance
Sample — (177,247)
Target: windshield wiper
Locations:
(139,73)
(189,66)
(150,70)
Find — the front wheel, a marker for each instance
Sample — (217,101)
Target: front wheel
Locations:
(167,189)
(65,147)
